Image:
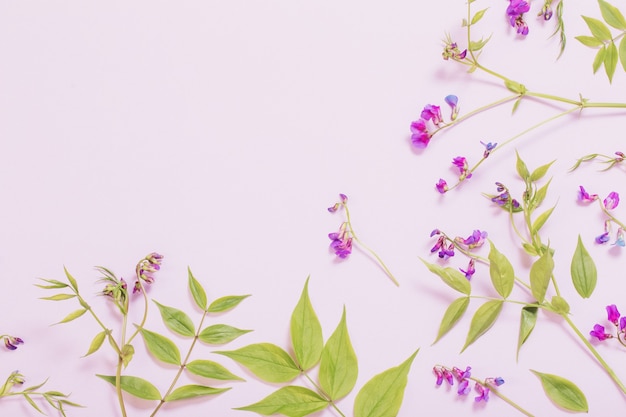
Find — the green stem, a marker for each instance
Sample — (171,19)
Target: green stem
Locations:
(145,312)
(510,402)
(595,353)
(118,385)
(323,394)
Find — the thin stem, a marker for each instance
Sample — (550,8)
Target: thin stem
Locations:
(145,311)
(510,402)
(118,385)
(323,394)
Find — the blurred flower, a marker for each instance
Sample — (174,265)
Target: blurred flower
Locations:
(432,113)
(584,196)
(515,12)
(611,201)
(446,253)
(343,199)
(475,240)
(11,342)
(546,12)
(488,148)
(620,238)
(622,324)
(341,243)
(470,269)
(461,163)
(451,50)
(442,185)
(599,333)
(440,243)
(420,136)
(612,313)
(603,238)
(452,101)
(145,269)
(483,393)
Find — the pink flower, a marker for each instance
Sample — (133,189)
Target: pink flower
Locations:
(442,186)
(420,136)
(611,201)
(341,243)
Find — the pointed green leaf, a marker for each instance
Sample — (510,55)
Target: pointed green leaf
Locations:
(59,297)
(522,169)
(72,316)
(161,347)
(530,249)
(599,59)
(540,195)
(516,105)
(610,60)
(71,279)
(583,271)
(53,284)
(541,220)
(306,331)
(226,303)
(526,325)
(540,273)
(453,314)
(501,272)
(136,386)
(210,369)
(267,361)
(382,395)
(338,364)
(562,392)
(478,45)
(219,334)
(96,342)
(589,41)
(612,16)
(622,52)
(482,321)
(193,391)
(290,401)
(453,278)
(176,320)
(559,305)
(598,29)
(32,403)
(479,15)
(540,172)
(197,292)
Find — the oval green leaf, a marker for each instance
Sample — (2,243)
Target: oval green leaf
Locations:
(290,401)
(226,303)
(501,272)
(540,172)
(598,29)
(212,370)
(136,386)
(306,331)
(479,15)
(338,364)
(193,391)
(610,60)
(453,278)
(612,16)
(541,220)
(559,305)
(599,59)
(540,273)
(197,292)
(266,360)
(589,41)
(526,325)
(176,320)
(382,395)
(96,342)
(161,347)
(563,393)
(453,314)
(219,334)
(583,271)
(482,321)
(622,52)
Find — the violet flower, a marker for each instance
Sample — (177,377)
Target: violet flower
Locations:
(603,238)
(619,241)
(442,186)
(622,323)
(452,101)
(341,244)
(611,201)
(584,196)
(451,50)
(483,393)
(470,269)
(420,136)
(488,148)
(461,163)
(475,240)
(612,314)
(11,342)
(515,12)
(446,253)
(599,333)
(146,268)
(432,113)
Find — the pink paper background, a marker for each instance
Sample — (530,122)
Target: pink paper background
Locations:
(217,133)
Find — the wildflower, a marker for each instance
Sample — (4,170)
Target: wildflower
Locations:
(461,163)
(497,381)
(622,324)
(341,243)
(451,50)
(620,156)
(443,373)
(620,238)
(435,232)
(446,253)
(515,12)
(440,243)
(442,185)
(432,113)
(612,313)
(599,333)
(420,136)
(611,201)
(464,388)
(488,148)
(475,240)
(584,196)
(343,199)
(452,101)
(11,342)
(546,12)
(460,374)
(603,238)
(470,269)
(145,269)
(483,393)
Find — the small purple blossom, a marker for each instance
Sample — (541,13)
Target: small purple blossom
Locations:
(462,374)
(420,136)
(470,269)
(464,388)
(452,101)
(341,243)
(611,201)
(435,232)
(451,50)
(343,199)
(440,243)
(461,163)
(515,12)
(11,342)
(145,270)
(442,186)
(603,238)
(483,393)
(599,333)
(622,324)
(475,240)
(612,314)
(546,12)
(443,373)
(488,148)
(497,381)
(432,113)
(619,241)
(584,196)
(446,253)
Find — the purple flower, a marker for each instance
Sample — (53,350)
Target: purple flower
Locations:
(515,12)
(475,240)
(433,113)
(341,243)
(497,381)
(584,196)
(611,201)
(622,324)
(446,253)
(464,388)
(440,243)
(420,136)
(11,342)
(435,232)
(620,238)
(442,185)
(603,238)
(488,148)
(599,333)
(461,163)
(546,12)
(442,373)
(483,393)
(145,269)
(470,269)
(343,199)
(451,50)
(612,313)
(460,374)
(452,101)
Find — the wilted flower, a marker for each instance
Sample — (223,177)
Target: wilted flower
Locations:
(451,50)
(461,163)
(583,195)
(546,12)
(343,199)
(611,201)
(470,269)
(488,148)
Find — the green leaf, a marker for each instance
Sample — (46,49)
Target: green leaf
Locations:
(479,15)
(478,45)
(622,52)
(193,391)
(96,342)
(197,292)
(612,16)
(516,105)
(482,321)
(589,41)
(599,59)
(32,403)
(59,297)
(219,334)
(583,271)
(541,220)
(210,369)
(526,325)
(176,320)
(563,392)
(540,195)
(306,332)
(540,172)
(128,351)
(515,87)
(540,273)
(382,395)
(290,401)
(161,347)
(522,169)
(453,314)
(72,316)
(226,303)
(136,386)
(453,278)
(610,60)
(71,279)
(530,249)
(338,365)
(267,361)
(54,284)
(598,29)
(559,305)
(501,272)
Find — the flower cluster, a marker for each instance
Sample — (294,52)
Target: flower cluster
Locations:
(504,199)
(609,203)
(11,342)
(145,268)
(341,241)
(445,247)
(463,378)
(452,51)
(460,162)
(613,315)
(515,12)
(420,132)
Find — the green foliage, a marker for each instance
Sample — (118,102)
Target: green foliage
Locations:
(306,332)
(176,320)
(540,274)
(563,393)
(291,401)
(501,272)
(453,314)
(453,278)
(212,370)
(219,334)
(583,271)
(161,347)
(482,321)
(192,391)
(528,319)
(269,362)
(136,386)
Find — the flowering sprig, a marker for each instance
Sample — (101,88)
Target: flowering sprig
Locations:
(610,202)
(610,161)
(11,342)
(446,245)
(421,131)
(160,347)
(619,322)
(342,240)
